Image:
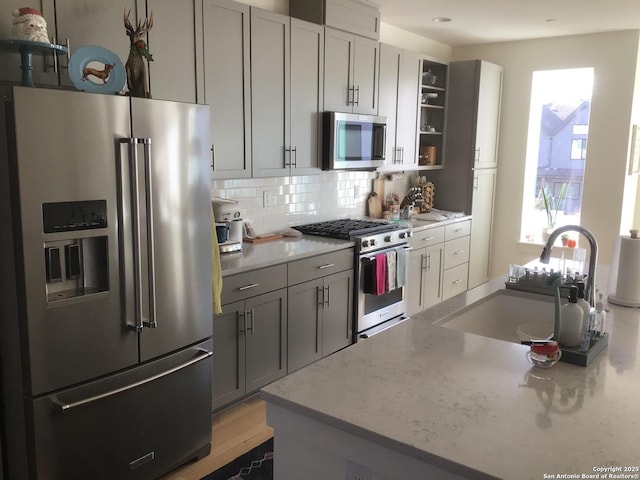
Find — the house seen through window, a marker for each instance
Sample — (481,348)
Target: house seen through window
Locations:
(556,150)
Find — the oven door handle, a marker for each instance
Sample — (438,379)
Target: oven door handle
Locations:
(404,246)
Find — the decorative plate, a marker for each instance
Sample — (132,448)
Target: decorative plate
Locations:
(96,70)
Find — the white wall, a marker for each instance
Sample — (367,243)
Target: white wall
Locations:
(614,57)
(410,41)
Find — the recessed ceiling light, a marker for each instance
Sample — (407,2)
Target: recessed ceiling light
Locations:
(441,19)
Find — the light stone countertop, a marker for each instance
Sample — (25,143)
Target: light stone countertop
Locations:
(456,399)
(287,249)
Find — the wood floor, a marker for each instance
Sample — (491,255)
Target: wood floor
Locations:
(235,431)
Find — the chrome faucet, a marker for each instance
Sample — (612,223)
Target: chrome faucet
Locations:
(593,256)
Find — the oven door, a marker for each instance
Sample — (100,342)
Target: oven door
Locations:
(378,306)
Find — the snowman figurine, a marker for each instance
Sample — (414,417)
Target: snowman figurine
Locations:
(29,24)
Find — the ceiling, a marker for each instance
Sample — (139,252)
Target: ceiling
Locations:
(477,21)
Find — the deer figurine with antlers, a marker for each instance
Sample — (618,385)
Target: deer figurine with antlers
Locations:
(138,52)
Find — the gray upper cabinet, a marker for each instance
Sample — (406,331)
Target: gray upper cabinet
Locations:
(489,101)
(79,22)
(92,23)
(307,89)
(227,86)
(355,16)
(286,94)
(176,70)
(398,101)
(43,73)
(351,69)
(270,100)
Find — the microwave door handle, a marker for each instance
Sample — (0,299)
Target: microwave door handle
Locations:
(152,322)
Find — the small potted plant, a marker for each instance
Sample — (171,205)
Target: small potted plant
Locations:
(551,205)
(564,238)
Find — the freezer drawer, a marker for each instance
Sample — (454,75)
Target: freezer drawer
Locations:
(141,432)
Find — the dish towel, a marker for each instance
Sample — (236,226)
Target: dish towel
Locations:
(391,270)
(369,273)
(381,273)
(216,267)
(401,267)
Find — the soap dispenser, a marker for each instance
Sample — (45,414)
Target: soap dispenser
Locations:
(571,320)
(586,308)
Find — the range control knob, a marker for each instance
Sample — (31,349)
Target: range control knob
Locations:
(405,234)
(387,238)
(365,243)
(373,242)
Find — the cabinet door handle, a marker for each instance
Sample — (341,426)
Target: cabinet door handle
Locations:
(357,99)
(428,261)
(458,252)
(456,281)
(294,162)
(320,293)
(477,156)
(243,324)
(350,95)
(326,265)
(247,287)
(284,157)
(252,327)
(426,239)
(213,157)
(475,183)
(327,298)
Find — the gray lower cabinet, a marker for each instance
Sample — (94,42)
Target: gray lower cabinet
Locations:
(320,318)
(320,309)
(424,287)
(250,336)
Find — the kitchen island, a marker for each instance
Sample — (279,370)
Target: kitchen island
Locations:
(423,401)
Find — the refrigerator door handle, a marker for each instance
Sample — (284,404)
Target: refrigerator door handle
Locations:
(129,176)
(65,407)
(152,323)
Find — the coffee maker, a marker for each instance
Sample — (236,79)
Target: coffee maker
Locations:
(228,224)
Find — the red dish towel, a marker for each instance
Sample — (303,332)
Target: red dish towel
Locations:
(381,273)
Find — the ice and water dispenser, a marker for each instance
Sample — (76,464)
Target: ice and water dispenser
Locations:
(76,262)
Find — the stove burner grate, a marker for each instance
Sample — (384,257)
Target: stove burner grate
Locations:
(346,228)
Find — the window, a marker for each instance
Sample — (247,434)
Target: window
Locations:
(556,150)
(578,149)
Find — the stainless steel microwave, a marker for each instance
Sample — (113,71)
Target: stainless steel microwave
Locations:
(353,142)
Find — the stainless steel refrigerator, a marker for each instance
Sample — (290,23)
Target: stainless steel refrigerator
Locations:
(105,276)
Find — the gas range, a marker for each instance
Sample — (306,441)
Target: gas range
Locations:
(368,235)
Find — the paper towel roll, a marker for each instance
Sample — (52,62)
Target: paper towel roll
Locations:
(627,290)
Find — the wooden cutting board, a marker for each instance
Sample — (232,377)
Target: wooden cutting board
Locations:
(266,238)
(374,204)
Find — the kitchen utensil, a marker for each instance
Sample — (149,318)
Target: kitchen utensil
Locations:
(374,205)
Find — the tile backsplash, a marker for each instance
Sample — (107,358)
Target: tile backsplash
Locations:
(272,204)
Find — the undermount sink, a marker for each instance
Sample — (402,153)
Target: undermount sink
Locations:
(507,315)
